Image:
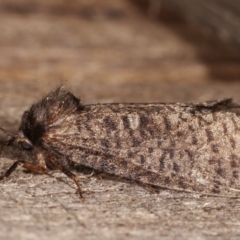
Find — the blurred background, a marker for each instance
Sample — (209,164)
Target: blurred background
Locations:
(117,51)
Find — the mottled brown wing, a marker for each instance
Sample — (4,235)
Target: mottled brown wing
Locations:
(173,146)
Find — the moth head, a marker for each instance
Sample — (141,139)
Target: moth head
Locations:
(32,128)
(50,112)
(24,142)
(21,140)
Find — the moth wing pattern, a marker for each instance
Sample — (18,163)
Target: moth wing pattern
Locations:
(190,147)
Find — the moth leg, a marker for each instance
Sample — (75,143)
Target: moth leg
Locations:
(67,172)
(27,165)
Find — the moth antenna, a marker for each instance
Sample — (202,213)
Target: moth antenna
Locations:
(9,141)
(7,132)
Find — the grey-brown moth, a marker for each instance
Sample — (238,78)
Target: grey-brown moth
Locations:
(191,147)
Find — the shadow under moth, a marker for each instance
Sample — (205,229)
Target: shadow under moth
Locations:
(192,147)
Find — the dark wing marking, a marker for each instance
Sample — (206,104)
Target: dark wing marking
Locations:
(180,172)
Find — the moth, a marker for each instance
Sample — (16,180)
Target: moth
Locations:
(191,147)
